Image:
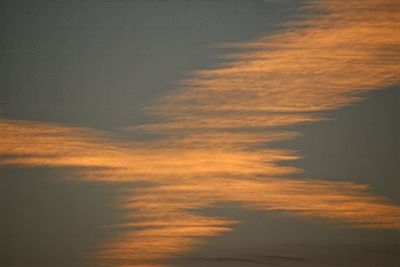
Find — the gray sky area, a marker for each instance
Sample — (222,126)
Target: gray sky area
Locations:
(98,63)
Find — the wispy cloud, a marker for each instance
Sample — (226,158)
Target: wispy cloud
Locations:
(214,131)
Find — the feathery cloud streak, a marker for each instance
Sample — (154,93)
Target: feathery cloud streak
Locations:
(216,128)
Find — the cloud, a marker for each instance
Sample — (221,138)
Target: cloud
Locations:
(214,131)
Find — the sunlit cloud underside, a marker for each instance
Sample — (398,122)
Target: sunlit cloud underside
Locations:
(210,144)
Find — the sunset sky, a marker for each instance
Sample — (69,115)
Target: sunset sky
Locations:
(200,133)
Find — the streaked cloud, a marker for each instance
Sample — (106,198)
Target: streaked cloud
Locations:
(213,136)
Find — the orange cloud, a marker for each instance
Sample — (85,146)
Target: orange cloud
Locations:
(212,135)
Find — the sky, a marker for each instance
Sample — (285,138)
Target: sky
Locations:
(200,133)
